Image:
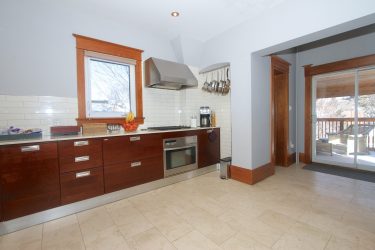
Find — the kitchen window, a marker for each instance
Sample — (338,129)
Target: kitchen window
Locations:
(109,81)
(110,86)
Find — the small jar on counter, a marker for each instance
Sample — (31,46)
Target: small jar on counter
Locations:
(193,121)
(213,119)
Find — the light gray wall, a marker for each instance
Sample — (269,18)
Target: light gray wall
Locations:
(355,47)
(38,50)
(260,108)
(265,31)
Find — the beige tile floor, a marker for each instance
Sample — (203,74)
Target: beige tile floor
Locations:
(294,209)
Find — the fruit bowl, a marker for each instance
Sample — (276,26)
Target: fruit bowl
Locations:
(130,126)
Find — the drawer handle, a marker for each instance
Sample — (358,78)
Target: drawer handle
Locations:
(83,174)
(135,164)
(209,131)
(82,158)
(81,143)
(30,148)
(135,138)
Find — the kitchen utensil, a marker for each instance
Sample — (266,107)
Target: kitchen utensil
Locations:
(212,84)
(206,84)
(222,83)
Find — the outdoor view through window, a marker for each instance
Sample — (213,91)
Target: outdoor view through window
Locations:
(108,91)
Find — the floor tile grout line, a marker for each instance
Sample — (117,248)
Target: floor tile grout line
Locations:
(329,239)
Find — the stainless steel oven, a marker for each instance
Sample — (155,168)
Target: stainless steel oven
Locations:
(180,155)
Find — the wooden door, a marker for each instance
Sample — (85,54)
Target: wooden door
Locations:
(279,111)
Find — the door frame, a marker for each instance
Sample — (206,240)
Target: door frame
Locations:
(280,65)
(310,71)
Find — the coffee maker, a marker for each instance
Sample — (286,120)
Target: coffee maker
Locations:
(205,116)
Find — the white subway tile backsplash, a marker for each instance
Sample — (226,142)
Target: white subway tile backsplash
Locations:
(37,111)
(6,117)
(4,103)
(160,108)
(23,123)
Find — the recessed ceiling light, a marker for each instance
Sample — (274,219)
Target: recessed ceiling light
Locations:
(175,13)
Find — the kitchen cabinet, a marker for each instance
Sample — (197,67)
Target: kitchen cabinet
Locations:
(130,148)
(208,147)
(29,179)
(128,174)
(39,176)
(132,160)
(80,185)
(81,169)
(77,155)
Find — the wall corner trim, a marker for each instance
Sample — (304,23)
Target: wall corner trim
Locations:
(251,176)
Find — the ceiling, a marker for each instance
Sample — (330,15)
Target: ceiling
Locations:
(342,84)
(199,19)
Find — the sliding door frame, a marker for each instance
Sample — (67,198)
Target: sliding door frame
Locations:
(311,71)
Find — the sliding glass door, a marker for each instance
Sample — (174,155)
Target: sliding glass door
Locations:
(365,142)
(343,111)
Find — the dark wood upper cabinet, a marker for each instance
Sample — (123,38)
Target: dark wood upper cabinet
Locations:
(208,147)
(130,148)
(29,179)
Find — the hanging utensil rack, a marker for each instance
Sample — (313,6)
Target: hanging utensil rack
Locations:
(220,85)
(214,67)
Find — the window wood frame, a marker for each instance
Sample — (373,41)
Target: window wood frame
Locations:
(83,44)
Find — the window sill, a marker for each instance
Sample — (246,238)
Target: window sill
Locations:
(80,121)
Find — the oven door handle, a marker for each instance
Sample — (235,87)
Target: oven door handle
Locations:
(184,147)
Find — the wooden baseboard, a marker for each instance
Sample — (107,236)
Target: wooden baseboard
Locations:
(301,157)
(240,174)
(291,159)
(251,176)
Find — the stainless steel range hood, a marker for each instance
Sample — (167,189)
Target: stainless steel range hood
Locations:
(168,75)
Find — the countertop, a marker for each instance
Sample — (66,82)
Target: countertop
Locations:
(81,137)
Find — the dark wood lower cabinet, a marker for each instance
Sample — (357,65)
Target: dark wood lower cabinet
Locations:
(80,185)
(29,179)
(127,174)
(37,177)
(208,147)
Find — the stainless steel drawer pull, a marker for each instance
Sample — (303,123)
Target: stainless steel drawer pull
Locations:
(209,131)
(83,174)
(135,164)
(135,138)
(82,158)
(81,143)
(30,148)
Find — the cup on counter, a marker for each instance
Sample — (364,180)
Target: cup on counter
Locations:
(193,122)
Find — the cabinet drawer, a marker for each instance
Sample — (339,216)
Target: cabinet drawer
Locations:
(128,148)
(80,185)
(16,156)
(128,174)
(80,162)
(79,147)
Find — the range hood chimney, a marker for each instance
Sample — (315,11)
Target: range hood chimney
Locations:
(168,75)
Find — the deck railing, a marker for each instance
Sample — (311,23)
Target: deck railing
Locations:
(334,125)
